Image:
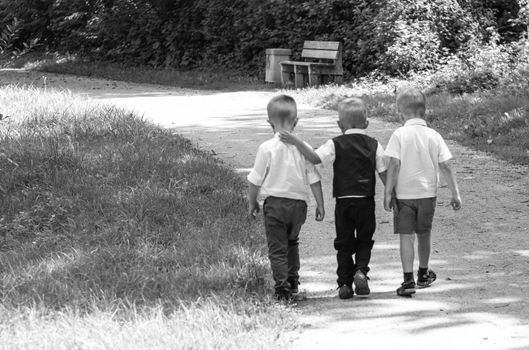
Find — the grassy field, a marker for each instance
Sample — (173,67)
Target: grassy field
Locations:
(118,234)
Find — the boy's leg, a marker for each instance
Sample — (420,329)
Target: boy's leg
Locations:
(365,228)
(423,249)
(407,252)
(298,215)
(344,242)
(407,288)
(425,214)
(405,223)
(425,276)
(277,239)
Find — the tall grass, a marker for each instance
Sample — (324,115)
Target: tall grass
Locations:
(214,324)
(102,211)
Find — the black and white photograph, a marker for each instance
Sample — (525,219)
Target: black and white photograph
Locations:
(264,174)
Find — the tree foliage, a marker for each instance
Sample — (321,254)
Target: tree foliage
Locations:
(389,36)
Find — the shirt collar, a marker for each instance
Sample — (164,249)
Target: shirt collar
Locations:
(355,131)
(415,121)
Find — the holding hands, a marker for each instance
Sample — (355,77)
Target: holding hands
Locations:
(389,202)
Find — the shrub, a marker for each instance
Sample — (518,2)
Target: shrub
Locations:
(481,68)
(416,35)
(388,36)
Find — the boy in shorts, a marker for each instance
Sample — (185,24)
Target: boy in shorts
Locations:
(356,158)
(417,153)
(283,176)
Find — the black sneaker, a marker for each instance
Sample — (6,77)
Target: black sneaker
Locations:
(407,288)
(294,287)
(283,295)
(361,285)
(345,292)
(426,279)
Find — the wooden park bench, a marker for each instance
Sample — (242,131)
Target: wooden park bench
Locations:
(322,64)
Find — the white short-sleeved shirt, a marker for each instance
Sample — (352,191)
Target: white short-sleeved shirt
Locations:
(327,154)
(420,149)
(282,171)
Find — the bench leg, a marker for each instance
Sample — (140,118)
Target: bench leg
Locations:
(298,78)
(338,79)
(288,76)
(313,78)
(285,78)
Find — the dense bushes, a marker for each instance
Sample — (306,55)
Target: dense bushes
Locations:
(386,36)
(416,35)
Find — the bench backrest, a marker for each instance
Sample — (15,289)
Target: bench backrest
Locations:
(323,51)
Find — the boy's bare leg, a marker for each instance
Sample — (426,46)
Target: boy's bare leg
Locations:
(424,247)
(407,252)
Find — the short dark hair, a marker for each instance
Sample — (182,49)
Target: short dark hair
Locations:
(412,100)
(282,108)
(355,110)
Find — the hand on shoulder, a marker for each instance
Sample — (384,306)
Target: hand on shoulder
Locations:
(287,137)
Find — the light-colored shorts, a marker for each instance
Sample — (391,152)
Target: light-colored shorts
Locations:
(414,215)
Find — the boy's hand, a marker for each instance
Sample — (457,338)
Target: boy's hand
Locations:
(389,202)
(320,213)
(287,137)
(456,203)
(253,209)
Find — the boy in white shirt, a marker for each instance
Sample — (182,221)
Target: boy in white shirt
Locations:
(283,176)
(417,153)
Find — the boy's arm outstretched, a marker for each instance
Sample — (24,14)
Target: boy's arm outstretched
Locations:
(318,195)
(391,181)
(450,178)
(305,149)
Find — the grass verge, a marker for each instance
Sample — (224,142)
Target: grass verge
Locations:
(112,226)
(215,323)
(205,79)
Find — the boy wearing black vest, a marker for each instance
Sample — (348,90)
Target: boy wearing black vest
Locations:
(356,158)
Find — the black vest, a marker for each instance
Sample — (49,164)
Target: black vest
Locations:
(355,165)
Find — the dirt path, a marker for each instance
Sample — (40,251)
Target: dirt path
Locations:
(481,254)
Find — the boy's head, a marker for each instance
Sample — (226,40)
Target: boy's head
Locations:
(352,114)
(411,103)
(282,113)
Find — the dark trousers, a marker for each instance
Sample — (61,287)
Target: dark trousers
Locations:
(355,226)
(283,219)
